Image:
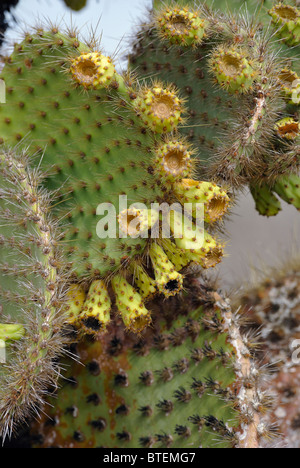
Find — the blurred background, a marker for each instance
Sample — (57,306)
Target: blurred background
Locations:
(252,240)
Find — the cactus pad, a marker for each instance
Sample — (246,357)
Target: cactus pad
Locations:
(179,385)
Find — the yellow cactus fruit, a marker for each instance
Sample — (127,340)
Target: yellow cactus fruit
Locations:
(159,108)
(187,234)
(145,284)
(169,282)
(290,83)
(96,310)
(288,128)
(286,19)
(176,255)
(198,245)
(214,198)
(210,254)
(232,70)
(136,222)
(75,298)
(93,70)
(173,161)
(181,26)
(130,305)
(11,331)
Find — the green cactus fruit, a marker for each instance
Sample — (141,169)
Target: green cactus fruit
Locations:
(288,188)
(181,26)
(145,284)
(32,290)
(176,255)
(188,381)
(159,108)
(173,161)
(209,255)
(286,19)
(11,331)
(267,204)
(196,243)
(231,122)
(272,305)
(93,70)
(75,5)
(232,70)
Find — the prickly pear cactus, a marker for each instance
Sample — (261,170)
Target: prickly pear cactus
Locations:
(273,307)
(236,64)
(189,381)
(104,137)
(98,138)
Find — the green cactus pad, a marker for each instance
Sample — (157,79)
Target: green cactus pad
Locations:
(187,382)
(169,388)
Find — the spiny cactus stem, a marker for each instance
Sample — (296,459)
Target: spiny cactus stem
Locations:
(252,133)
(258,114)
(249,436)
(42,228)
(33,369)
